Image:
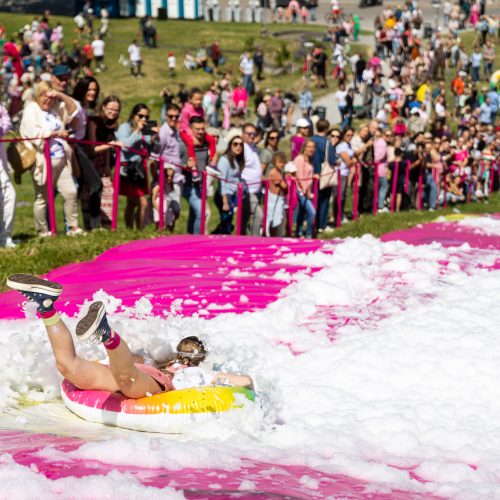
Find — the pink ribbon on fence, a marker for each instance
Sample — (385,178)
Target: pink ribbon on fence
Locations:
(339,198)
(240,209)
(394,185)
(315,199)
(291,205)
(375,190)
(50,187)
(116,188)
(203,214)
(264,210)
(420,193)
(355,200)
(407,175)
(445,190)
(161,187)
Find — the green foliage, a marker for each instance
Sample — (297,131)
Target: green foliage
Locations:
(282,54)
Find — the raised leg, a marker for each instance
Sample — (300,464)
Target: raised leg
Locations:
(130,381)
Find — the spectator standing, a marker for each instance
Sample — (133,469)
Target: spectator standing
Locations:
(98,47)
(258,60)
(46,117)
(86,94)
(231,165)
(134,181)
(476,60)
(170,151)
(321,143)
(489,59)
(305,185)
(271,147)
(345,153)
(171,62)
(380,156)
(102,128)
(7,191)
(134,54)
(252,175)
(303,127)
(247,70)
(192,184)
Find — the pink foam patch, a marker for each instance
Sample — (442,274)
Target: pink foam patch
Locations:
(266,479)
(213,270)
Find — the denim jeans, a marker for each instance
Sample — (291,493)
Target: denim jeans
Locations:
(323,205)
(475,73)
(248,84)
(305,210)
(192,193)
(382,191)
(430,189)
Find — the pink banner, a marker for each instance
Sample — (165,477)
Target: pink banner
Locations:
(50,188)
(203,215)
(240,209)
(375,189)
(420,203)
(116,187)
(161,199)
(355,200)
(264,208)
(394,185)
(339,199)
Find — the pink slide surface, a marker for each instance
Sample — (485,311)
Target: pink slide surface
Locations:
(205,270)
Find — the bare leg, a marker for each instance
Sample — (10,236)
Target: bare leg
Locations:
(80,372)
(129,380)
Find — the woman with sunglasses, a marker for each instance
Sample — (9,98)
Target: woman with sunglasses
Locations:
(126,373)
(133,178)
(231,165)
(305,171)
(271,147)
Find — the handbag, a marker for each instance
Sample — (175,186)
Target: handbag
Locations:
(133,172)
(22,157)
(329,174)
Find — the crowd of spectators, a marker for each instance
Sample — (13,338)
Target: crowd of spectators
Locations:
(420,143)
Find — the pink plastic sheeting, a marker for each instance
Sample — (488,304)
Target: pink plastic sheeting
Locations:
(449,234)
(269,479)
(207,270)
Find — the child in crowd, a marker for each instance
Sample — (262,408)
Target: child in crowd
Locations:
(192,108)
(171,198)
(278,188)
(171,62)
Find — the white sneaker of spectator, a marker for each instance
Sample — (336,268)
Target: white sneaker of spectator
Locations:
(45,234)
(74,232)
(8,243)
(383,210)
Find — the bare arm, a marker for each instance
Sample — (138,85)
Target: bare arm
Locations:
(233,379)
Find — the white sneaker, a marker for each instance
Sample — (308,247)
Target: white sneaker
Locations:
(74,232)
(345,220)
(45,234)
(320,230)
(383,210)
(10,243)
(329,229)
(431,210)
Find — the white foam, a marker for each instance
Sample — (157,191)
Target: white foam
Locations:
(412,378)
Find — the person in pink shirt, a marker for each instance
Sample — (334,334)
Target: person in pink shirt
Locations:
(380,157)
(239,100)
(305,195)
(192,108)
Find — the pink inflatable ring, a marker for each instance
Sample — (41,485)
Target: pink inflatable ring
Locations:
(167,412)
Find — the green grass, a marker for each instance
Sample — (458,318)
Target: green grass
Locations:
(178,36)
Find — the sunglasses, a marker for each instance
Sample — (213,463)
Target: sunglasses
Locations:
(237,144)
(173,117)
(335,136)
(250,134)
(273,138)
(143,117)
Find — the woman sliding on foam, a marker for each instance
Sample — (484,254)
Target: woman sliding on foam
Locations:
(134,380)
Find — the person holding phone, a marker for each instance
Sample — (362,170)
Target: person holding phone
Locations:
(134,179)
